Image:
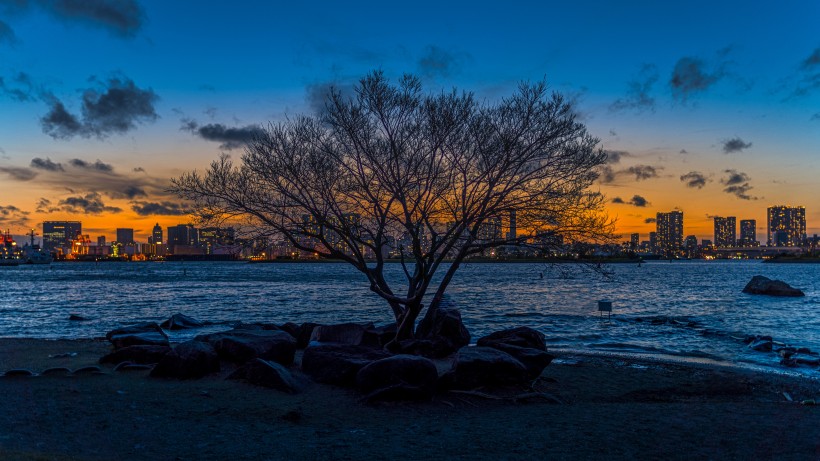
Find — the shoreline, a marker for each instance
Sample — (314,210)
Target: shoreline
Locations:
(612,407)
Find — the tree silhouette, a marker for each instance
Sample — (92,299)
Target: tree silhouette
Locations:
(428,177)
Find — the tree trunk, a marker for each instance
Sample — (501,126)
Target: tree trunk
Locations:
(439,295)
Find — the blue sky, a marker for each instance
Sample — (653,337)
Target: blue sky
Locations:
(713,109)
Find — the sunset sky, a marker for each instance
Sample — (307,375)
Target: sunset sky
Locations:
(710,109)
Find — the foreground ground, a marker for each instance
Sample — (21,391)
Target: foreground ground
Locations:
(611,408)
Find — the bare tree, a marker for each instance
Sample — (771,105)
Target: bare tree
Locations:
(427,176)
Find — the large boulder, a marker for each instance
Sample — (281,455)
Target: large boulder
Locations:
(338,363)
(141,354)
(188,360)
(343,333)
(760,285)
(148,333)
(484,366)
(401,377)
(181,322)
(379,336)
(524,344)
(521,337)
(267,374)
(241,346)
(445,328)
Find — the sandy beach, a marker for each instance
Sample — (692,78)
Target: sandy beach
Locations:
(610,408)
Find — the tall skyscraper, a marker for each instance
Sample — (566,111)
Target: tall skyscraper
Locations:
(60,233)
(125,236)
(748,233)
(513,232)
(634,241)
(669,228)
(182,234)
(786,226)
(156,235)
(725,232)
(653,242)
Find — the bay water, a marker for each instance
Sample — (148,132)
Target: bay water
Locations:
(690,309)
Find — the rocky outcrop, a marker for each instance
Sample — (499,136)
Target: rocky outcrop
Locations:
(148,333)
(443,333)
(269,374)
(760,285)
(343,333)
(188,360)
(338,363)
(142,354)
(181,322)
(401,377)
(484,366)
(240,346)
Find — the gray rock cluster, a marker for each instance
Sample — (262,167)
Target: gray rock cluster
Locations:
(353,355)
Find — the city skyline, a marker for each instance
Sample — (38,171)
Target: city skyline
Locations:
(724,122)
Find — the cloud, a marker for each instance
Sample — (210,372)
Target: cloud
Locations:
(809,76)
(615,156)
(161,208)
(7,34)
(438,62)
(649,220)
(46,164)
(317,95)
(19,88)
(98,165)
(691,76)
(694,179)
(114,108)
(642,172)
(636,200)
(737,184)
(90,203)
(44,205)
(812,61)
(734,177)
(638,96)
(734,145)
(230,137)
(18,174)
(139,169)
(683,151)
(13,216)
(120,17)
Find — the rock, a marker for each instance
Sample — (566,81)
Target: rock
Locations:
(18,373)
(148,333)
(267,374)
(142,354)
(445,324)
(379,336)
(484,366)
(291,329)
(401,377)
(338,363)
(241,346)
(761,344)
(343,333)
(534,360)
(191,359)
(303,334)
(805,359)
(521,337)
(760,285)
(431,348)
(76,318)
(129,366)
(181,322)
(56,371)
(89,370)
(258,326)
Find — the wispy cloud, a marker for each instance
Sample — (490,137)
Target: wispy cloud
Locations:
(636,200)
(11,216)
(46,164)
(18,173)
(438,62)
(642,172)
(638,96)
(692,75)
(734,145)
(164,208)
(230,137)
(90,203)
(737,184)
(694,179)
(649,220)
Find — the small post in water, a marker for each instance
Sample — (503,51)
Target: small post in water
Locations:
(605,306)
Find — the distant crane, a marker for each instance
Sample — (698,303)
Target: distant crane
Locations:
(32,234)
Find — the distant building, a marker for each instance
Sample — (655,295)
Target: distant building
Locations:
(653,242)
(705,243)
(725,232)
(634,241)
(218,240)
(101,241)
(156,235)
(748,233)
(690,243)
(60,234)
(669,228)
(513,232)
(786,226)
(125,236)
(182,234)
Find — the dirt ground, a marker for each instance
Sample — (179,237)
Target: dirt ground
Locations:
(587,407)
